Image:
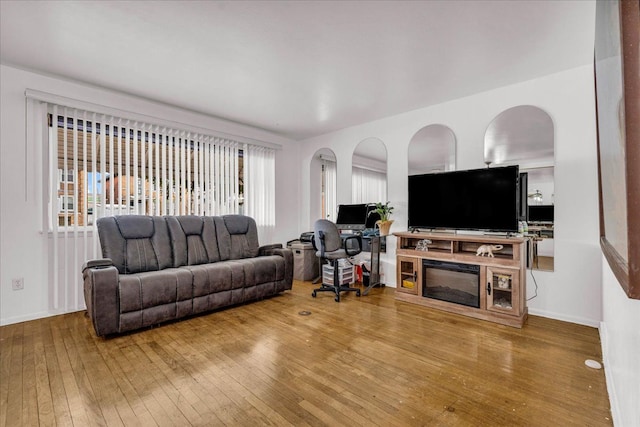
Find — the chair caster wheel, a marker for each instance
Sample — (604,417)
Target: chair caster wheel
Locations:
(337,299)
(313,294)
(358,293)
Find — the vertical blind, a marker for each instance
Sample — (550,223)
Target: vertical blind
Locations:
(368,186)
(100,165)
(114,166)
(329,189)
(259,177)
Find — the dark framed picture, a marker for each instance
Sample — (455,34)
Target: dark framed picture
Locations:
(617,78)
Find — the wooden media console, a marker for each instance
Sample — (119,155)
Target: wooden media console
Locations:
(444,271)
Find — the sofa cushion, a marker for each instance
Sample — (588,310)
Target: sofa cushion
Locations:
(261,274)
(237,237)
(135,243)
(144,290)
(215,285)
(262,269)
(154,297)
(194,240)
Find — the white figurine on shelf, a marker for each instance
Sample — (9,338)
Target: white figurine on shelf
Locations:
(503,281)
(488,250)
(423,245)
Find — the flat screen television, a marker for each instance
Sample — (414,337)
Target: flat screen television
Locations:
(352,217)
(478,199)
(523,197)
(541,213)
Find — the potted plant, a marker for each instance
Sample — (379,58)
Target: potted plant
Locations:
(384,223)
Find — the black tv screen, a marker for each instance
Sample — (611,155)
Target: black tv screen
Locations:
(523,199)
(353,217)
(479,199)
(541,213)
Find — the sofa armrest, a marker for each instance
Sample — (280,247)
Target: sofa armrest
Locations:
(101,296)
(285,253)
(266,249)
(97,263)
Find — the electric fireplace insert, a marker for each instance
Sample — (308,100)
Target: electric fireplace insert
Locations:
(452,282)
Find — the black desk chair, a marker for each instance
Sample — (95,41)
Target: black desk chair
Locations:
(332,247)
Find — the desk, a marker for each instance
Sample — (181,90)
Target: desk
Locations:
(374,244)
(539,252)
(532,250)
(544,231)
(366,243)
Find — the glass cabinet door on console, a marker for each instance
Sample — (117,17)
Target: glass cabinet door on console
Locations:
(502,290)
(408,274)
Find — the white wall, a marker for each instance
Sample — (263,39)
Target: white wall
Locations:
(620,332)
(23,249)
(572,291)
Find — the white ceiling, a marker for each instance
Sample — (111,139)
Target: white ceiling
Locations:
(298,68)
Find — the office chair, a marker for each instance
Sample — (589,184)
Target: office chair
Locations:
(332,247)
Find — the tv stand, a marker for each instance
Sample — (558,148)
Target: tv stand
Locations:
(496,288)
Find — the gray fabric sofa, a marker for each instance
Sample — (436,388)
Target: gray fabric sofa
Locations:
(156,269)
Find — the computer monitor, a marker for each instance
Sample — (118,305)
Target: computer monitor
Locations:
(541,213)
(352,217)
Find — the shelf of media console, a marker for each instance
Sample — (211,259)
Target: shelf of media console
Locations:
(463,246)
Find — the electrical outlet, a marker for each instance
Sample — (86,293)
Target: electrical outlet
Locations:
(17,284)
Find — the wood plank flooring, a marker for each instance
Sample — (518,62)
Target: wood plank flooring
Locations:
(364,361)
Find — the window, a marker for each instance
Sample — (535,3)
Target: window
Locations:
(66,204)
(66,175)
(121,167)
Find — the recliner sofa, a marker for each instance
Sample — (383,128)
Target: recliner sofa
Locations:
(156,269)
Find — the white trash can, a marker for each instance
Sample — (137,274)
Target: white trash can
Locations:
(305,261)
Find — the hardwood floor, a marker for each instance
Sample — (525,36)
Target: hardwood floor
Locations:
(363,361)
(544,263)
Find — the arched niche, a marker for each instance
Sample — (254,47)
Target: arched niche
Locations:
(432,149)
(369,172)
(323,185)
(524,136)
(520,135)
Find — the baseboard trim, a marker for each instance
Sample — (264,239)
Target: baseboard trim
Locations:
(33,316)
(611,388)
(564,318)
